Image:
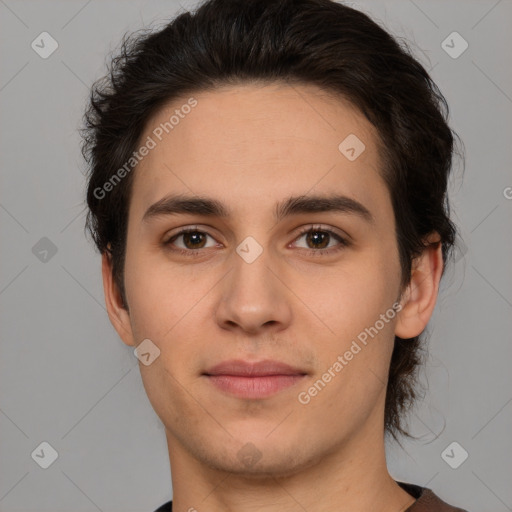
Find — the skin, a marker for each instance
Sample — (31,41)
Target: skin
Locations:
(251,146)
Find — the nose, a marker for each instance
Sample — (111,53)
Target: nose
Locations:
(253,299)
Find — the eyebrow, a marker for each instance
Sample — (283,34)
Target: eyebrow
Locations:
(295,205)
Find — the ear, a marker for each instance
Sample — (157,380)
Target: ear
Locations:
(419,298)
(117,312)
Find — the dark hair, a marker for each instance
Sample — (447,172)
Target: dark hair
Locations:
(318,42)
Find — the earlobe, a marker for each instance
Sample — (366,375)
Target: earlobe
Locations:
(117,311)
(419,299)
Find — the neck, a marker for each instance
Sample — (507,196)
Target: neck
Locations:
(352,477)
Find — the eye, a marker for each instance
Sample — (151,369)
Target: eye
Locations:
(318,240)
(192,239)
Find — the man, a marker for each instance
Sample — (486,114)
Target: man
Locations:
(267,188)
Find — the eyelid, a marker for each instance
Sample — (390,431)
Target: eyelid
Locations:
(323,227)
(188,229)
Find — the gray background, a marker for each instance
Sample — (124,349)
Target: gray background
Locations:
(65,377)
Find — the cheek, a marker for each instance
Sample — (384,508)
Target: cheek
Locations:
(344,298)
(358,294)
(160,294)
(361,320)
(354,354)
(164,308)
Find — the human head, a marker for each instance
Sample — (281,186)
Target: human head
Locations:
(236,42)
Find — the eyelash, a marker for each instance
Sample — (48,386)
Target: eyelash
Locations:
(323,252)
(343,243)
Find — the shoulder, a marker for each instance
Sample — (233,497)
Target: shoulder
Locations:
(166,507)
(427,500)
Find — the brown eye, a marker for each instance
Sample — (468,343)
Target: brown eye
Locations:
(191,240)
(320,241)
(194,240)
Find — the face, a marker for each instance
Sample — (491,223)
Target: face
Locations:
(263,277)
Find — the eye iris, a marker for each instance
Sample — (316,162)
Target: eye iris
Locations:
(312,236)
(195,238)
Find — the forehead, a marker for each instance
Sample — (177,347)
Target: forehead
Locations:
(257,143)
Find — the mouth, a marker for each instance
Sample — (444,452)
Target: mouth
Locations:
(253,380)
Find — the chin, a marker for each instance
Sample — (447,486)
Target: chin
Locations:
(260,460)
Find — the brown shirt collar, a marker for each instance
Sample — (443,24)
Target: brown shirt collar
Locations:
(426,500)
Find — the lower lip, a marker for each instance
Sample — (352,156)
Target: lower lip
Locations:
(253,387)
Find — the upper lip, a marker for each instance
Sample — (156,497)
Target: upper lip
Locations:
(254,369)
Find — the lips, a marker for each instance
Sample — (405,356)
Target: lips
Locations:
(253,380)
(241,368)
